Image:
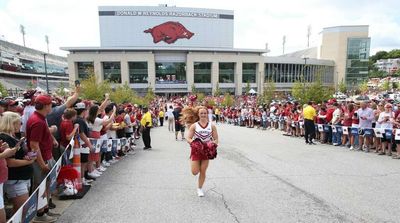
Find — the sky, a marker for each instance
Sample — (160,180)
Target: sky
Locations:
(76,22)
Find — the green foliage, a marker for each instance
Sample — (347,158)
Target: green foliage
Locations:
(200,96)
(92,89)
(29,85)
(194,90)
(228,100)
(210,102)
(217,90)
(386,85)
(395,85)
(314,91)
(3,90)
(269,91)
(150,95)
(374,73)
(60,91)
(342,86)
(124,94)
(363,87)
(395,53)
(247,89)
(298,92)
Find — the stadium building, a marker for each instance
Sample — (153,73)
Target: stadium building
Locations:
(22,67)
(172,49)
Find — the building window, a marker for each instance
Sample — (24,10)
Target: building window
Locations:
(357,60)
(202,72)
(138,72)
(85,69)
(226,73)
(112,71)
(173,73)
(249,72)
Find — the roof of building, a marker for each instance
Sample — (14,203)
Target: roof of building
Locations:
(298,60)
(159,48)
(309,53)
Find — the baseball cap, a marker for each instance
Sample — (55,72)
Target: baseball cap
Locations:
(80,106)
(43,99)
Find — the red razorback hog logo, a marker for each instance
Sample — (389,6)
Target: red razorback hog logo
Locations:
(169,32)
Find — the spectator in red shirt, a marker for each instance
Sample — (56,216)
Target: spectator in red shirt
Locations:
(67,128)
(41,141)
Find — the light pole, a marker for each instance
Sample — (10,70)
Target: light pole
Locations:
(305,58)
(45,71)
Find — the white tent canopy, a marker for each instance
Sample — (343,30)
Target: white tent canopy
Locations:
(252,91)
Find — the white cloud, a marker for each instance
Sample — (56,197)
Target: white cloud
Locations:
(75,22)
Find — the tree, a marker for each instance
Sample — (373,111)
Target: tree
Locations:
(363,88)
(149,95)
(124,94)
(342,86)
(269,91)
(194,90)
(217,90)
(29,85)
(93,89)
(3,91)
(200,96)
(247,89)
(228,100)
(298,90)
(395,85)
(375,73)
(386,85)
(61,90)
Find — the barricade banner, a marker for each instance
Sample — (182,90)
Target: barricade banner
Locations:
(109,145)
(345,130)
(334,129)
(339,129)
(326,128)
(114,145)
(29,209)
(378,132)
(397,134)
(42,195)
(320,128)
(17,217)
(388,133)
(368,132)
(94,144)
(354,131)
(118,144)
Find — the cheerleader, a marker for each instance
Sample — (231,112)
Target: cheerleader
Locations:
(201,128)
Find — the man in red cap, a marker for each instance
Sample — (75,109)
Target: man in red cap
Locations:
(41,141)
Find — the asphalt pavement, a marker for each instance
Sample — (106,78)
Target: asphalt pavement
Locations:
(258,176)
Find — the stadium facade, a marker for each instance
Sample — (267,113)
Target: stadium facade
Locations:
(172,49)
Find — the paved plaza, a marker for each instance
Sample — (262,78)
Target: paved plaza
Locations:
(258,176)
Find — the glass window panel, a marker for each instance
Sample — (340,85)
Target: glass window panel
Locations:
(138,72)
(112,71)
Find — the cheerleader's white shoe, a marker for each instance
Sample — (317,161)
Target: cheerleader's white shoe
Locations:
(200,192)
